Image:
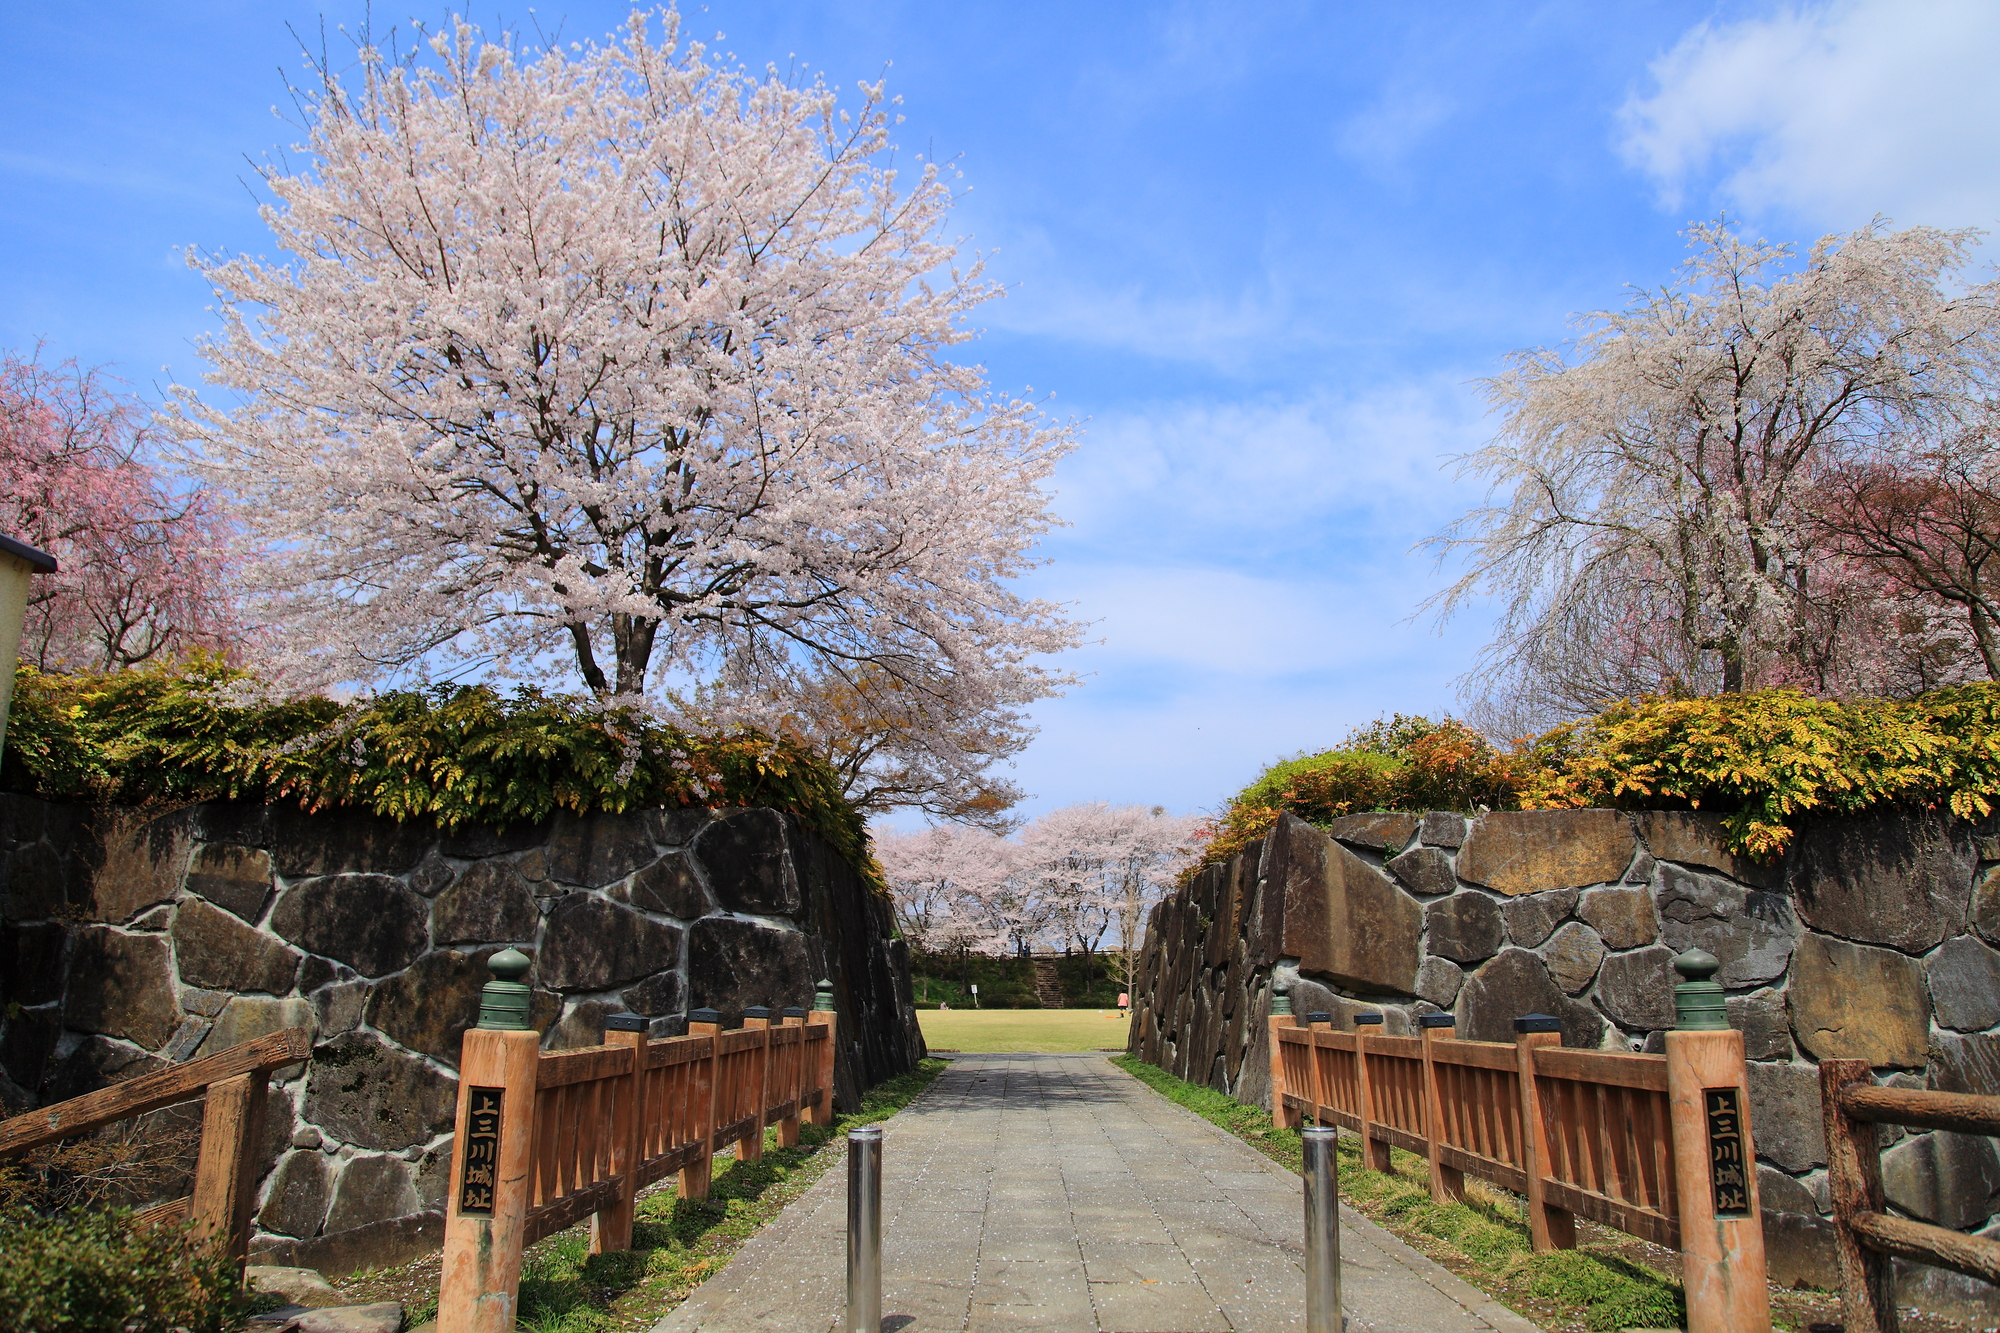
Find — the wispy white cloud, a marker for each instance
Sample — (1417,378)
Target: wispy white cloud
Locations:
(1385,132)
(1831,113)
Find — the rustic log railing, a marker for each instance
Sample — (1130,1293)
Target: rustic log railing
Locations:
(230,1085)
(545,1141)
(1867,1236)
(1656,1146)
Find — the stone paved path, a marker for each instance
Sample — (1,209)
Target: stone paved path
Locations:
(1058,1192)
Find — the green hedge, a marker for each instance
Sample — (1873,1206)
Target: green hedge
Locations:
(201,730)
(94,1272)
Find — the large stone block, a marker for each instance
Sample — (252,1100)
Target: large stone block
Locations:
(428,1006)
(1622,918)
(1443,828)
(1965,985)
(216,950)
(669,886)
(1850,1001)
(237,878)
(34,882)
(476,842)
(734,964)
(373,923)
(1696,838)
(1439,980)
(1986,904)
(1344,919)
(1424,870)
(1637,988)
(489,904)
(121,985)
(35,960)
(1464,927)
(1785,1120)
(594,850)
(657,996)
(28,1038)
(248,1017)
(1800,1250)
(138,860)
(1534,917)
(1897,878)
(1965,1064)
(1573,955)
(1511,985)
(295,1201)
(370,1189)
(1750,932)
(1387,832)
(97,1062)
(1766,1027)
(1527,851)
(363,1091)
(593,945)
(748,857)
(1952,1180)
(337,842)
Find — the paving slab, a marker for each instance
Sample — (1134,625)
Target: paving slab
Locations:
(1057,1191)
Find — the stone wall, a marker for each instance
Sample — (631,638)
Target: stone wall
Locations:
(138,939)
(1873,940)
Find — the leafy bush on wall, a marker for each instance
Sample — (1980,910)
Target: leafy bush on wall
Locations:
(1763,760)
(202,730)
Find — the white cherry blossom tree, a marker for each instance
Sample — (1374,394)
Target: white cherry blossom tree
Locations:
(618,364)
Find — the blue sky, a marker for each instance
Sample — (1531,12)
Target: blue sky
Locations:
(1261,251)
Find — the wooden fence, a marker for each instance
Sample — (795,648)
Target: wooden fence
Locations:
(1656,1146)
(1867,1237)
(545,1141)
(231,1087)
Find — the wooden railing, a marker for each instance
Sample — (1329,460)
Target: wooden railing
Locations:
(1867,1236)
(603,1123)
(231,1087)
(1604,1135)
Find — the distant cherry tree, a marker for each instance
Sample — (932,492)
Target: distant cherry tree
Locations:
(614,363)
(144,570)
(1653,527)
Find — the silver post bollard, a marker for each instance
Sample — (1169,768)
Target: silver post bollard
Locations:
(1322,1232)
(864,1230)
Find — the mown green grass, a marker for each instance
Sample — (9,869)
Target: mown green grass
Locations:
(1487,1233)
(1023,1029)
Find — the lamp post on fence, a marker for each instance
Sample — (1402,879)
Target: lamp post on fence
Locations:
(1708,1096)
(493,1156)
(864,1229)
(1322,1232)
(18,564)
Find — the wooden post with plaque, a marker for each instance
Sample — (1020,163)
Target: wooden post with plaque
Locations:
(1715,1163)
(492,1160)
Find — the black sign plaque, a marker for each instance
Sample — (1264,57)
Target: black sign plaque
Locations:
(1728,1173)
(481,1153)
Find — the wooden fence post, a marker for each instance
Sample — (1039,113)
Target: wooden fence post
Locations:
(750,1148)
(1854,1174)
(1715,1163)
(611,1228)
(823,1014)
(788,1128)
(1282,1116)
(695,1175)
(493,1158)
(1447,1182)
(232,1125)
(1374,1151)
(1316,1088)
(1549,1228)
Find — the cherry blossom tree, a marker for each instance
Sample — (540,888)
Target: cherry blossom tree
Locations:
(1651,527)
(945,883)
(144,572)
(617,361)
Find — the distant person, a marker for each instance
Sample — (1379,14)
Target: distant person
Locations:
(943,1004)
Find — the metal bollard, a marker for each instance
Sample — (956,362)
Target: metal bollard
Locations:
(1322,1233)
(864,1230)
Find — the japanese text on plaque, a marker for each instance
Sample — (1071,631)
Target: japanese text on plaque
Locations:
(1728,1172)
(482,1153)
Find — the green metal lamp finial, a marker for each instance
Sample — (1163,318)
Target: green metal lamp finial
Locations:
(1698,999)
(504,1001)
(823,995)
(1281,1000)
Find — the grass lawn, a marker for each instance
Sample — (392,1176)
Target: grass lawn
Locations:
(1022,1029)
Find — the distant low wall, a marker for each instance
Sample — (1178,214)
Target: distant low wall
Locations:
(1873,940)
(133,940)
